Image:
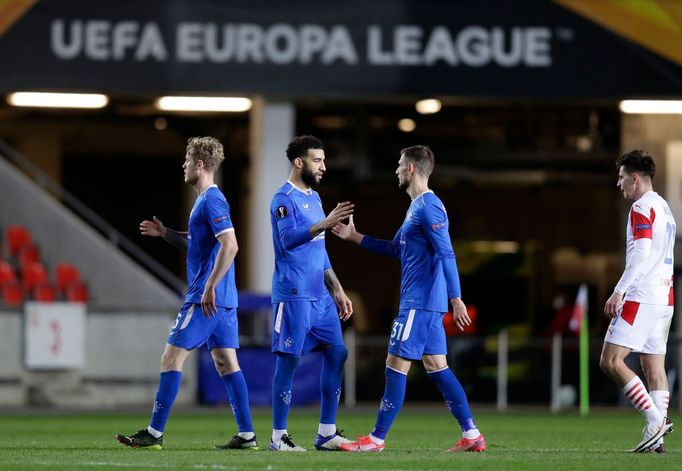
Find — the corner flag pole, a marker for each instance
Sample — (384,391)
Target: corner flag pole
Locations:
(580,319)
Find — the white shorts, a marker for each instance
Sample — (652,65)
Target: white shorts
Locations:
(642,327)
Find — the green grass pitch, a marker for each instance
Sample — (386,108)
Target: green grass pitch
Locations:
(516,441)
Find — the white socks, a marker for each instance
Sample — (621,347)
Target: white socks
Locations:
(153,432)
(277,434)
(471,434)
(661,398)
(326,430)
(638,396)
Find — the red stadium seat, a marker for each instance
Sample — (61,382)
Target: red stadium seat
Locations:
(28,254)
(77,293)
(44,292)
(66,275)
(7,274)
(12,295)
(33,274)
(17,238)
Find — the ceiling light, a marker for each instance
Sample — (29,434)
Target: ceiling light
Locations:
(651,106)
(407,125)
(429,106)
(203,103)
(58,100)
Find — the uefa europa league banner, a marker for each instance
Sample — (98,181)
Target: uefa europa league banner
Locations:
(499,48)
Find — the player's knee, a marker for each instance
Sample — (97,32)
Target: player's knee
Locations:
(287,361)
(225,361)
(170,362)
(337,353)
(224,367)
(608,364)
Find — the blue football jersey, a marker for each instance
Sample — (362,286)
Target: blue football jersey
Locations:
(300,262)
(429,271)
(210,217)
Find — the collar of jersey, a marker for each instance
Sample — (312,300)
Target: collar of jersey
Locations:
(204,192)
(422,194)
(308,192)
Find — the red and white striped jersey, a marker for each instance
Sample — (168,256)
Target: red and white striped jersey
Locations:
(649,257)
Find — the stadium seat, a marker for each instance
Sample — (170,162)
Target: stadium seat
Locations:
(7,274)
(77,293)
(44,292)
(66,275)
(12,295)
(33,274)
(28,254)
(17,238)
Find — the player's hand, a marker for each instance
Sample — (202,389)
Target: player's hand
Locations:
(347,231)
(208,306)
(154,228)
(612,305)
(460,314)
(338,214)
(345,305)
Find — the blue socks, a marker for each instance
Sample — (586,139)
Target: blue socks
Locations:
(394,395)
(169,385)
(285,366)
(330,382)
(238,395)
(454,396)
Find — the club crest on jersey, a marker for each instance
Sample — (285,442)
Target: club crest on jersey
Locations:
(281,212)
(409,215)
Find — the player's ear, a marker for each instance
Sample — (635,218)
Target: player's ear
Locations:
(298,162)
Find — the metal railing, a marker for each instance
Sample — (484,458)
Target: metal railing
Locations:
(556,356)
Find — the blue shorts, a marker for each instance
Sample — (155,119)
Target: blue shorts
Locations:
(192,329)
(416,333)
(301,326)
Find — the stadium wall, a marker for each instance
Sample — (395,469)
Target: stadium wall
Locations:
(122,354)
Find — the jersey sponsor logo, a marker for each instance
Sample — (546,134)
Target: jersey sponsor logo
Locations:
(281,212)
(438,226)
(219,219)
(306,205)
(642,227)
